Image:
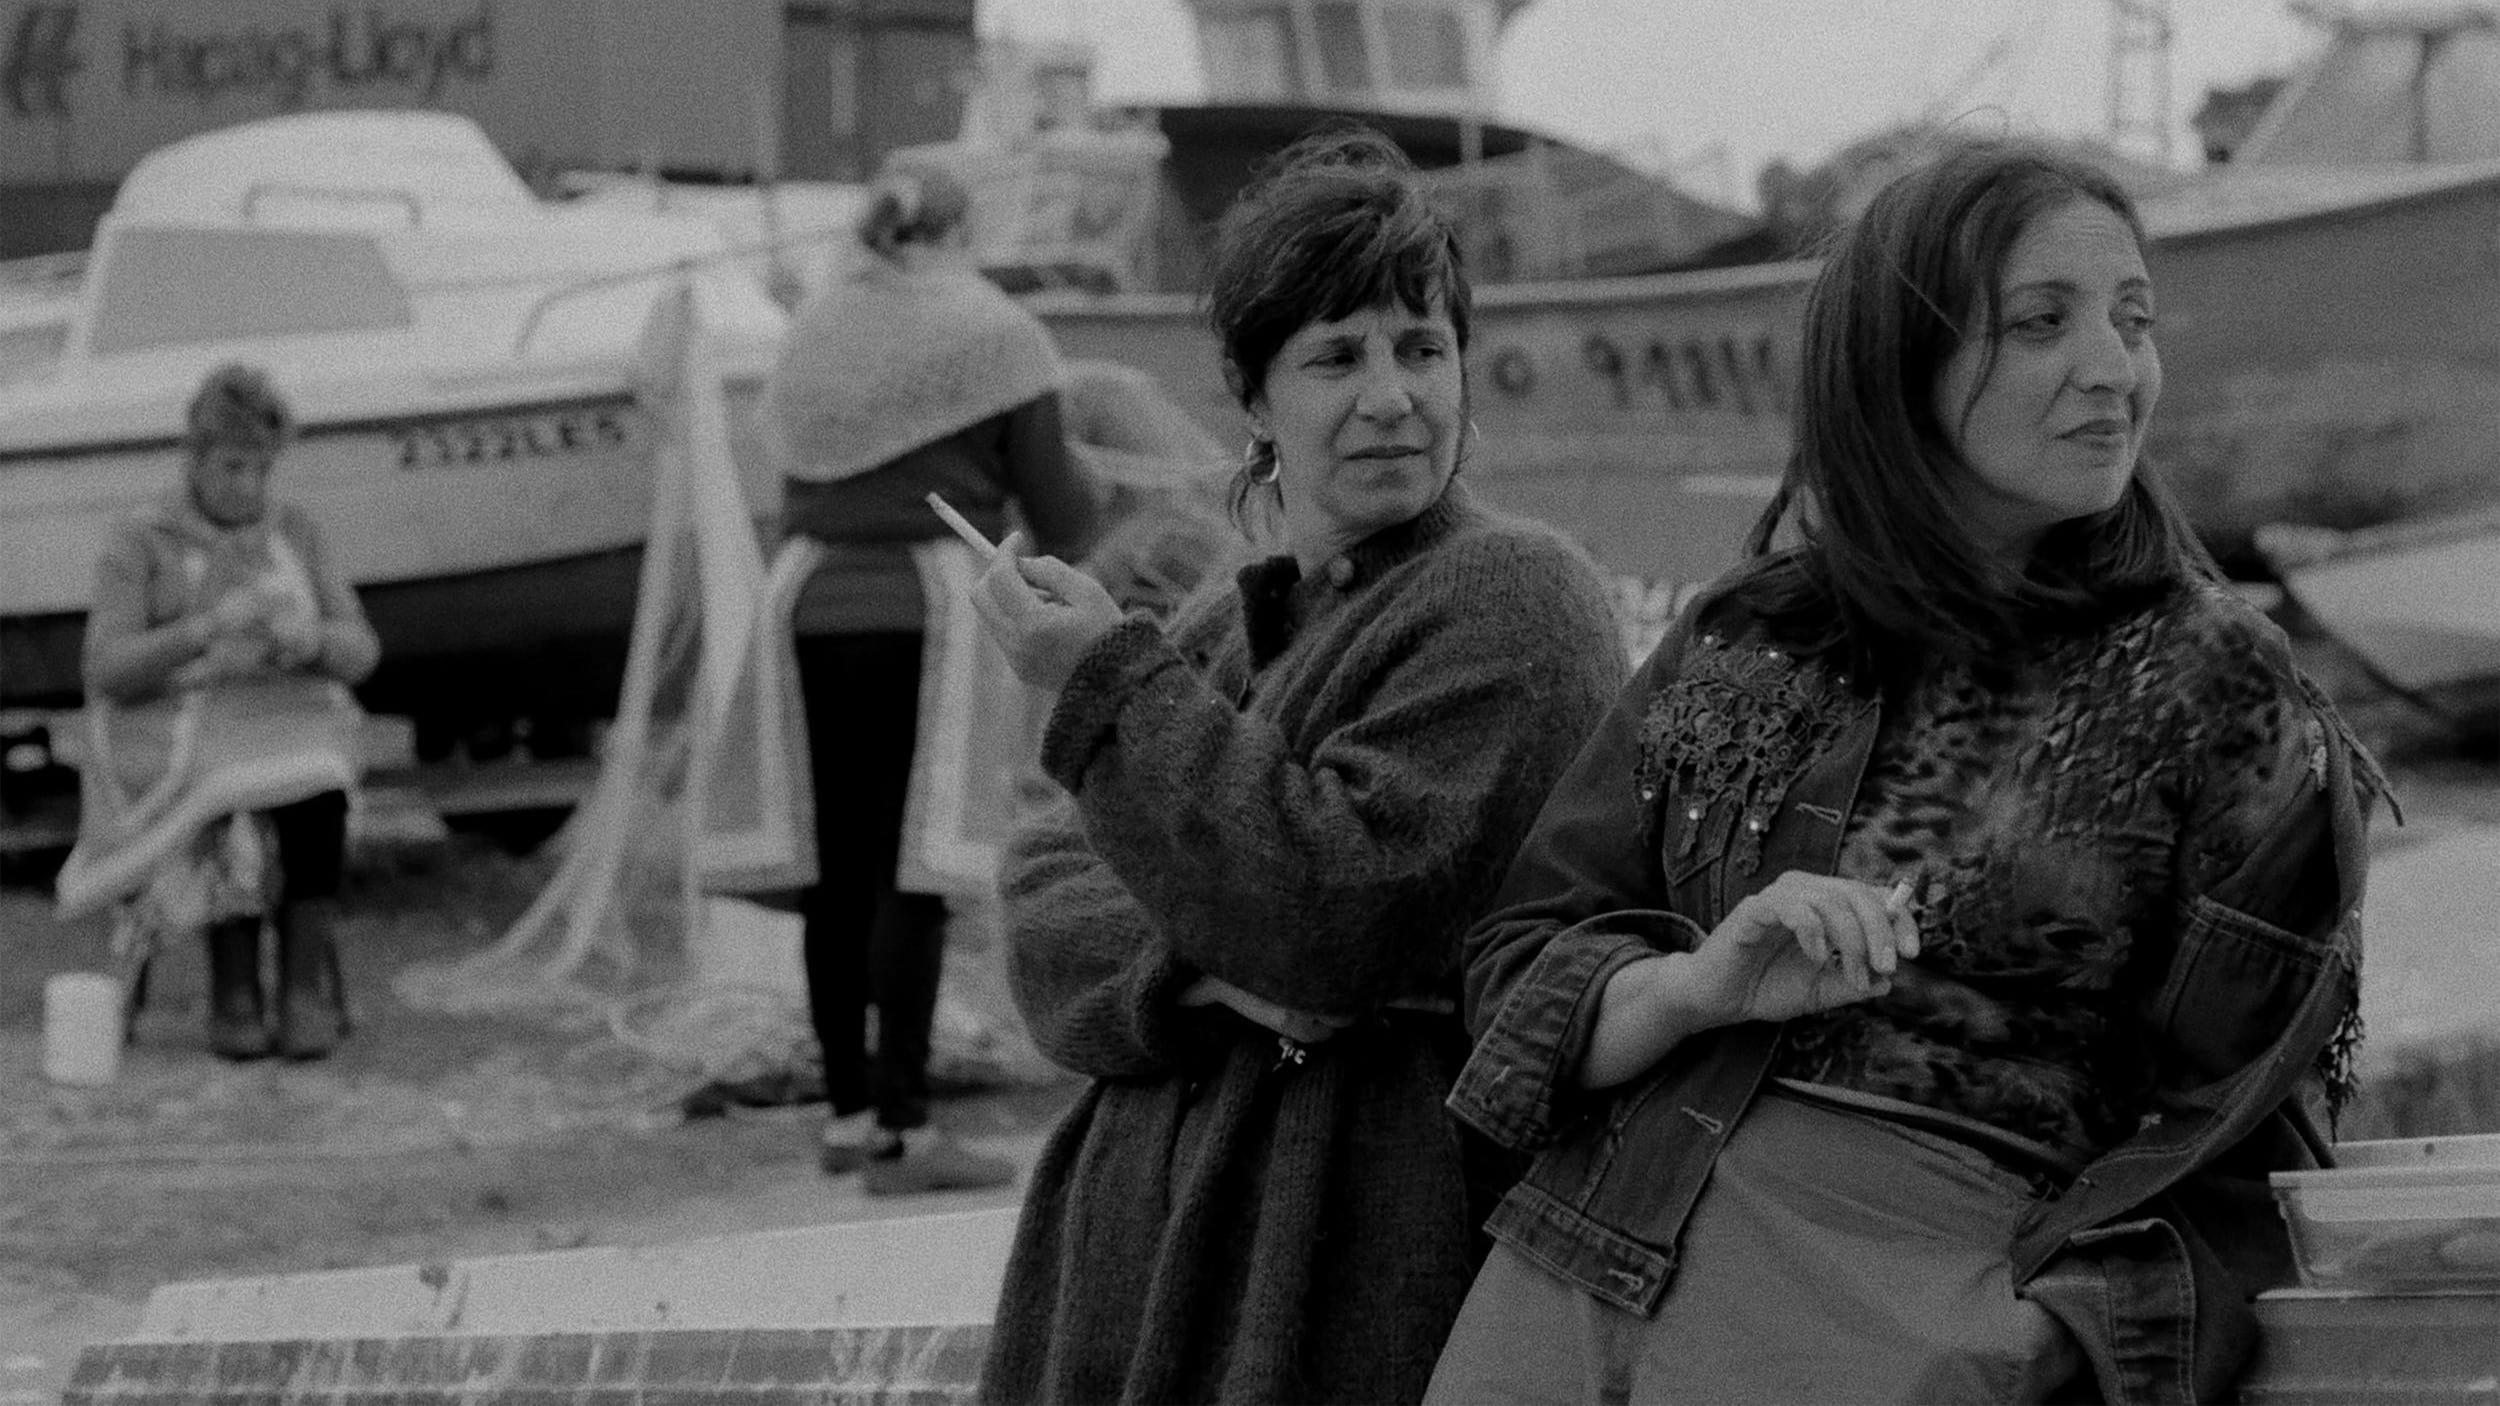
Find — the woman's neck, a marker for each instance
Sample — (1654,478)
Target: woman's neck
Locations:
(1314,553)
(201,517)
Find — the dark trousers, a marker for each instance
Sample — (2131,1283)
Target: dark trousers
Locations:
(312,845)
(865,942)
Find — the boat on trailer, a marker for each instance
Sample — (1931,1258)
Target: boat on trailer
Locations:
(459,355)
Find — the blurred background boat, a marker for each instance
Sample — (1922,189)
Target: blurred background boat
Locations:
(458,329)
(2417,604)
(2329,282)
(460,356)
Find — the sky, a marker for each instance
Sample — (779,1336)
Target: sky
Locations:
(1707,91)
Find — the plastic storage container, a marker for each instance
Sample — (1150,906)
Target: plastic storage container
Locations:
(2408,1213)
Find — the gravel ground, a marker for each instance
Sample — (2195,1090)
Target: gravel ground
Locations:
(432,1136)
(426,1137)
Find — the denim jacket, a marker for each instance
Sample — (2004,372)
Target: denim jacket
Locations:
(2150,1255)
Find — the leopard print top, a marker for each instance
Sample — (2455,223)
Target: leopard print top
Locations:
(2049,810)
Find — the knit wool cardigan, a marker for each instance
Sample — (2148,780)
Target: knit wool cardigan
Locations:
(1309,789)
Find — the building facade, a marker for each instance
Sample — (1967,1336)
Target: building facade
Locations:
(709,89)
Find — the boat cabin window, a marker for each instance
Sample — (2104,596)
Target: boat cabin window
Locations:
(1344,50)
(1253,54)
(166,286)
(1426,47)
(1414,55)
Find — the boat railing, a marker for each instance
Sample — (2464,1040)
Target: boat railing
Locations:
(42,276)
(681,266)
(540,305)
(260,190)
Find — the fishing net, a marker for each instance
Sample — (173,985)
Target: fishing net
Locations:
(622,925)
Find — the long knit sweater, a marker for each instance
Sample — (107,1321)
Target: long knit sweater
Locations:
(1308,788)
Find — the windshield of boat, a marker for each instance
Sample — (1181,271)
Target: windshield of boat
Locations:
(167,285)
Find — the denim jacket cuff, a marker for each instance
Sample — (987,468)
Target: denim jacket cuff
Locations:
(1517,1084)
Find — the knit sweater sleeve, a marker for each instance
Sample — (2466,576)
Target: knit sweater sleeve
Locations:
(128,656)
(349,649)
(1335,866)
(1093,979)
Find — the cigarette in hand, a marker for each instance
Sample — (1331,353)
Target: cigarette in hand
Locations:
(971,534)
(1898,904)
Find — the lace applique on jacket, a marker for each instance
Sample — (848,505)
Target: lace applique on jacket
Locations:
(1739,724)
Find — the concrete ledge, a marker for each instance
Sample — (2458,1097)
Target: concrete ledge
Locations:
(916,1271)
(891,1310)
(726,1365)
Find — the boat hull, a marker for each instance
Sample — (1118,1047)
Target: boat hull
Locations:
(2332,355)
(2332,360)
(2339,368)
(1647,417)
(463,655)
(493,532)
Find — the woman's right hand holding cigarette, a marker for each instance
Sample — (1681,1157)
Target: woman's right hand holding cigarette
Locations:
(1806,943)
(1043,612)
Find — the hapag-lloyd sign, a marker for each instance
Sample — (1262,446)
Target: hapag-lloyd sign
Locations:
(355,49)
(61,55)
(89,87)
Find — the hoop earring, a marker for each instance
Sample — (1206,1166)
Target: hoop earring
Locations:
(1259,463)
(1469,440)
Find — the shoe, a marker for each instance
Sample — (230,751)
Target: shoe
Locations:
(312,1011)
(932,1162)
(236,1028)
(842,1147)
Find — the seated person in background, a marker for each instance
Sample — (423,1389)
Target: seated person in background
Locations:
(219,644)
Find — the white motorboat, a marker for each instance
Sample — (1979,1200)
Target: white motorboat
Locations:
(460,356)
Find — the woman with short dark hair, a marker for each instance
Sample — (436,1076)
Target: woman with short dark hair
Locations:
(1281,810)
(218,645)
(1956,917)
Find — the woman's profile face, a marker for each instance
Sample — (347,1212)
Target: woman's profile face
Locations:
(1366,413)
(2054,430)
(230,483)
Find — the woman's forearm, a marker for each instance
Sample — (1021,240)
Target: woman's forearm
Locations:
(1646,1010)
(348,651)
(136,665)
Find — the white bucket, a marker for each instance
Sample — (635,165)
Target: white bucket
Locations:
(82,1028)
